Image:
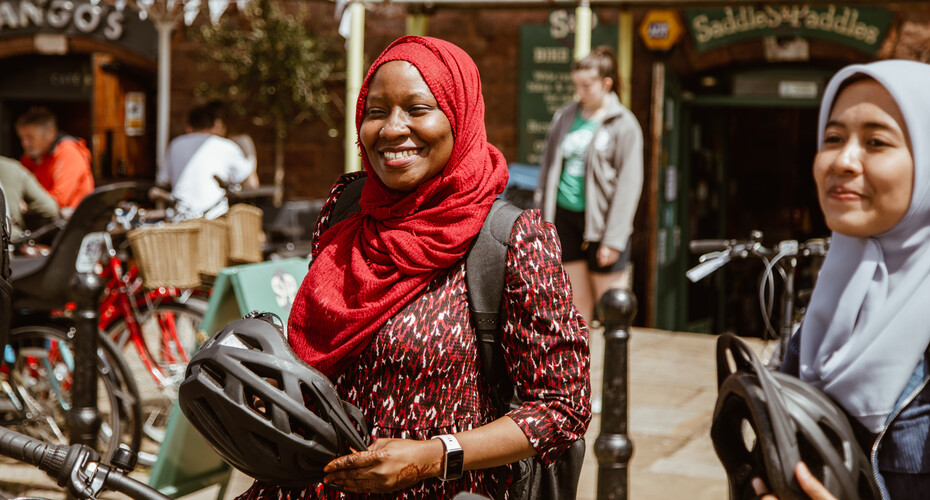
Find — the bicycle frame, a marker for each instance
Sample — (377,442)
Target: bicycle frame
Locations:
(123,297)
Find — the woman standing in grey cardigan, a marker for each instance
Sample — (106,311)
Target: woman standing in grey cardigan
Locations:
(591,178)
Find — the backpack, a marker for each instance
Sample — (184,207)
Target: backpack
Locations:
(6,289)
(485,267)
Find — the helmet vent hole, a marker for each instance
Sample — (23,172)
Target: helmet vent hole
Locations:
(298,428)
(310,401)
(250,342)
(213,373)
(731,363)
(812,458)
(257,403)
(268,375)
(834,438)
(748,435)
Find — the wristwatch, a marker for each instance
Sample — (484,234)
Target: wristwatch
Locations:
(454,460)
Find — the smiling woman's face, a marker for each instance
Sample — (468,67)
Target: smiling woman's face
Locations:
(865,168)
(407,138)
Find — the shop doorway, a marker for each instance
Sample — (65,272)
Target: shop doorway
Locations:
(89,95)
(736,155)
(750,169)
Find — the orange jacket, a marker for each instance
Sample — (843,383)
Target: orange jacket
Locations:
(64,171)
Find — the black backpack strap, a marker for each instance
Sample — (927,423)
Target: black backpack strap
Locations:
(6,289)
(5,236)
(485,268)
(347,203)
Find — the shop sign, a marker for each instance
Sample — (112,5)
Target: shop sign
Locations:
(863,28)
(99,20)
(545,81)
(660,29)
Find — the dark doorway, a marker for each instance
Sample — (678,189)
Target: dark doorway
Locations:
(750,169)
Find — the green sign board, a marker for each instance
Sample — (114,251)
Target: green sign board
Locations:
(863,28)
(546,52)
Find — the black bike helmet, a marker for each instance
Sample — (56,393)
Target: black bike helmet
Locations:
(766,422)
(263,409)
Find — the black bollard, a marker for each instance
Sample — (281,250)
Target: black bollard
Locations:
(613,447)
(83,417)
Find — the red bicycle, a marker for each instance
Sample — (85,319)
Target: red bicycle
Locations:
(156,331)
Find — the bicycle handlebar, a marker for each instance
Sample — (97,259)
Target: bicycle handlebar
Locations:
(76,467)
(811,247)
(717,252)
(707,246)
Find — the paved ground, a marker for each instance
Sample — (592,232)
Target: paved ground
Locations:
(672,393)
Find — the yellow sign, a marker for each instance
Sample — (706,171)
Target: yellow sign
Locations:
(660,29)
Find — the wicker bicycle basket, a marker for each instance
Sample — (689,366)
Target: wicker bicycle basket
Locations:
(213,245)
(167,254)
(245,229)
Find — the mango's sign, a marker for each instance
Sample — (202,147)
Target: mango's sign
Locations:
(99,20)
(863,28)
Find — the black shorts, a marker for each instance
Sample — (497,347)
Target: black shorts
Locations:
(570,228)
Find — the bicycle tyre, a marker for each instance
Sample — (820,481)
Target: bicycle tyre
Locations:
(40,376)
(158,395)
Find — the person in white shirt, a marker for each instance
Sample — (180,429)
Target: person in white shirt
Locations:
(195,158)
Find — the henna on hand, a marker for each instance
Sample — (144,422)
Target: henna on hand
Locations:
(412,474)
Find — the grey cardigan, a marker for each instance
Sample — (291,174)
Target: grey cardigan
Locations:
(613,173)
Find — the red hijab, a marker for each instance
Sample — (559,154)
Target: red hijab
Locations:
(371,265)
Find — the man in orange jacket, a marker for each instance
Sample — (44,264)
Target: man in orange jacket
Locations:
(61,163)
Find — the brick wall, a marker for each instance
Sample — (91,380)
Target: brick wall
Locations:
(491,37)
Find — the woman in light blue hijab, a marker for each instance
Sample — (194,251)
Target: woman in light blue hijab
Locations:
(865,337)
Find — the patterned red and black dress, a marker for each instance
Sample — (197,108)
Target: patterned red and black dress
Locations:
(420,376)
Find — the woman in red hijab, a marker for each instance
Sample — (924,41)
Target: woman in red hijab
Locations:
(384,312)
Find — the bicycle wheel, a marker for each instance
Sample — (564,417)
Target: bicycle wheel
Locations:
(37,377)
(156,345)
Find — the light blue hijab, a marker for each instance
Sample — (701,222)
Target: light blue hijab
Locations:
(868,323)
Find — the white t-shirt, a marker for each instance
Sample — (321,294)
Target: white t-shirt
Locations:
(193,159)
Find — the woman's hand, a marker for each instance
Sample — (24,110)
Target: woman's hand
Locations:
(606,256)
(395,464)
(388,465)
(808,482)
